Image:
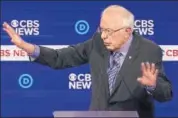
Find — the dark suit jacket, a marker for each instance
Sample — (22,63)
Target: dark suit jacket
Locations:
(128,93)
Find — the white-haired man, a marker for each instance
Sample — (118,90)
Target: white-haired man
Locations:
(127,71)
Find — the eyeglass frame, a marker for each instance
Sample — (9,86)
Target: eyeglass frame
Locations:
(111,30)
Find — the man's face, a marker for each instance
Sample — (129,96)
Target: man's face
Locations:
(114,35)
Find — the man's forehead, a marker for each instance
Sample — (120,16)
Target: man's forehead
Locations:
(110,21)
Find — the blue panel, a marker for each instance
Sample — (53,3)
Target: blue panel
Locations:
(49,89)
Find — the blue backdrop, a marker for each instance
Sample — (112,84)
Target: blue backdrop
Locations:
(55,23)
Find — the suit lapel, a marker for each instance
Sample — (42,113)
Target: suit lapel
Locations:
(130,57)
(106,55)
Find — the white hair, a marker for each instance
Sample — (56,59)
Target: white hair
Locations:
(127,16)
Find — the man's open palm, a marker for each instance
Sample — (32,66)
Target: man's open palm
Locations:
(149,74)
(15,38)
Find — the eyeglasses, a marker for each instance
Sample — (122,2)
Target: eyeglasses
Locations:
(109,31)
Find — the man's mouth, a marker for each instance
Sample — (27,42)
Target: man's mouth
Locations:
(106,44)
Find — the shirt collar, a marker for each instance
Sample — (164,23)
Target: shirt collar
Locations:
(125,47)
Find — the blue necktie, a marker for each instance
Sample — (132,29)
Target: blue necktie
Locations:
(114,68)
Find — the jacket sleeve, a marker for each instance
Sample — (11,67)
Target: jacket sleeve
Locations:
(73,55)
(163,90)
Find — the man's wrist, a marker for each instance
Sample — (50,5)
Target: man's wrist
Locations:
(150,89)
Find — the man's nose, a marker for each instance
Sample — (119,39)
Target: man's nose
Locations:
(103,35)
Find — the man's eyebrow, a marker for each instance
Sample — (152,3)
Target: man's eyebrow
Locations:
(105,28)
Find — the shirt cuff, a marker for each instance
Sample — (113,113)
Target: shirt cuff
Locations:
(35,54)
(150,89)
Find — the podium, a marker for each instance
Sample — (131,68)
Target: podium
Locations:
(101,114)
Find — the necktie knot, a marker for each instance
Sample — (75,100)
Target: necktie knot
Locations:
(117,54)
(116,58)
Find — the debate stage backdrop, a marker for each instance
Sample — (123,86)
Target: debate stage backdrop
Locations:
(30,89)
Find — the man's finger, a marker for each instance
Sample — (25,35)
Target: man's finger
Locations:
(153,69)
(5,25)
(5,28)
(143,81)
(9,28)
(148,67)
(11,32)
(143,68)
(156,73)
(8,32)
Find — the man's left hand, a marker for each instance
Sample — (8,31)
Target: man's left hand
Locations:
(149,74)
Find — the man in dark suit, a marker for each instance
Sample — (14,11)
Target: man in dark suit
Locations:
(127,71)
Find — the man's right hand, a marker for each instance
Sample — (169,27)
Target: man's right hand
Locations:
(17,40)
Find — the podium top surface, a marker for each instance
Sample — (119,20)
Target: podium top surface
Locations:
(118,114)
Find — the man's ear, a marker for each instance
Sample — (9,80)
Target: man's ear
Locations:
(129,30)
